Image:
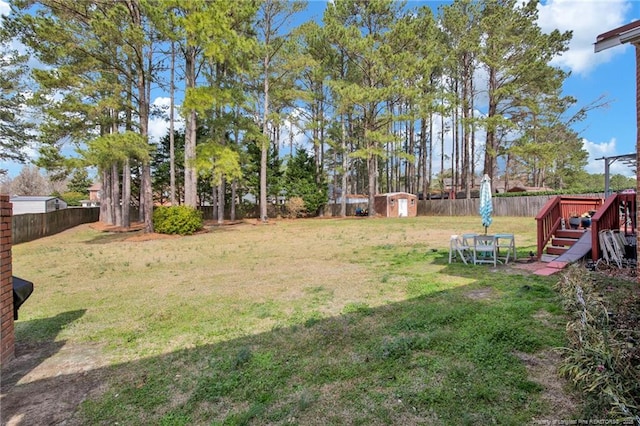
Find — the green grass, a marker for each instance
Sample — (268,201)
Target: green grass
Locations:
(297,322)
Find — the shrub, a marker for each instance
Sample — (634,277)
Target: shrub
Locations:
(600,359)
(74,198)
(295,207)
(182,220)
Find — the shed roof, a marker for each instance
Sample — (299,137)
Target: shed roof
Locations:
(31,198)
(387,194)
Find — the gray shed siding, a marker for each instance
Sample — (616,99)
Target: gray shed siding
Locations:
(24,205)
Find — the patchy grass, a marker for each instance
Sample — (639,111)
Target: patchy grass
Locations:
(307,322)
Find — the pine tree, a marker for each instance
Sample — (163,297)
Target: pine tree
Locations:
(372,36)
(273,19)
(14,129)
(80,182)
(516,57)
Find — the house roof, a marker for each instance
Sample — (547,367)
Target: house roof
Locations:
(524,188)
(624,34)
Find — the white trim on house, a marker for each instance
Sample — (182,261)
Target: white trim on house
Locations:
(629,33)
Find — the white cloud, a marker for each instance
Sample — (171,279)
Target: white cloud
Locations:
(159,126)
(4,8)
(162,102)
(604,149)
(587,19)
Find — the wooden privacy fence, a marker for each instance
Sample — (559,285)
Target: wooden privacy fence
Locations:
(31,226)
(528,206)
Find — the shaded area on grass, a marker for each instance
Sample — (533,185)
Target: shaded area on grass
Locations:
(39,343)
(437,359)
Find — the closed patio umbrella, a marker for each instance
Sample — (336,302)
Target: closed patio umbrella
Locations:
(486,206)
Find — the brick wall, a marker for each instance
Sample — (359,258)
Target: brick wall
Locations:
(7,342)
(637,46)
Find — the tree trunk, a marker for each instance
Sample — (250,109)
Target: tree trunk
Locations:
(126,194)
(115,194)
(442,154)
(467,99)
(232,207)
(107,199)
(214,203)
(265,144)
(345,167)
(371,165)
(221,201)
(411,165)
(172,149)
(491,148)
(190,175)
(422,164)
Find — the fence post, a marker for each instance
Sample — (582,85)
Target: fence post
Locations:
(7,338)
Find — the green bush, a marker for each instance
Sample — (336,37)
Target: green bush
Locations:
(74,198)
(182,220)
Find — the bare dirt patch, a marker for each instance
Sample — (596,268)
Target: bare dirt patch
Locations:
(45,383)
(101,226)
(543,370)
(481,293)
(134,233)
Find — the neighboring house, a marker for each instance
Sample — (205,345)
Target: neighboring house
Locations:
(90,203)
(95,194)
(396,204)
(354,199)
(33,204)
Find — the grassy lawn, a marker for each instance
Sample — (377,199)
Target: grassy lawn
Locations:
(328,321)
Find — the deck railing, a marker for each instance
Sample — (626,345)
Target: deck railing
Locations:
(550,218)
(617,212)
(548,221)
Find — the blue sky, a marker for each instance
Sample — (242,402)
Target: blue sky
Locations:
(607,131)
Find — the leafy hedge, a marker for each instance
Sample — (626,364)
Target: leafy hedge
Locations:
(73,198)
(182,220)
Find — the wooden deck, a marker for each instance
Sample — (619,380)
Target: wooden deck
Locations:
(577,251)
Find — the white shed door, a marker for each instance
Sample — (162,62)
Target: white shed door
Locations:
(403,207)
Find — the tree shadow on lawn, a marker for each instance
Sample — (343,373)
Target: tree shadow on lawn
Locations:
(33,361)
(109,237)
(41,345)
(438,359)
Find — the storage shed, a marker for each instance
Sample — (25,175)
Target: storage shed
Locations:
(396,204)
(32,204)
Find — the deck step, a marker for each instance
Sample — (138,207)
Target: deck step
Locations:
(563,241)
(557,250)
(546,271)
(569,233)
(546,258)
